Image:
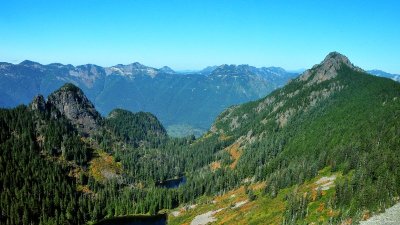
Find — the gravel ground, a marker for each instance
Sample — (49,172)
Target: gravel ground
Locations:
(205,218)
(239,204)
(325,182)
(390,217)
(176,213)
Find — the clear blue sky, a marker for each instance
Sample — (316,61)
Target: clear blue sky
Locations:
(194,34)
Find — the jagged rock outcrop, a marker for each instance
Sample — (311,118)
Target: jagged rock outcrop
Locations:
(327,69)
(74,105)
(38,103)
(131,70)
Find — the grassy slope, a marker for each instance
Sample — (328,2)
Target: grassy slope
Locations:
(263,209)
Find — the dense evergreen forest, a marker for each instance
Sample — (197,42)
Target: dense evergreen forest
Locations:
(34,188)
(45,163)
(349,123)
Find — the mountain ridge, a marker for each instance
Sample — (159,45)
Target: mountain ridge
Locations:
(179,100)
(376,72)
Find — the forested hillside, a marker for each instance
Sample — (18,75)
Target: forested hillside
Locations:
(34,188)
(56,172)
(333,117)
(136,128)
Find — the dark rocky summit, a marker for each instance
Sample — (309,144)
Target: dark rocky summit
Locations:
(74,105)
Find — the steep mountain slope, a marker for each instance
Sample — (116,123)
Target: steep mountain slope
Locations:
(179,100)
(326,146)
(35,189)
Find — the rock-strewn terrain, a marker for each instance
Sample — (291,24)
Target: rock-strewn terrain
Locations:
(390,217)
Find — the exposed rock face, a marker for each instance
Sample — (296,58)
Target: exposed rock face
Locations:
(38,103)
(327,69)
(132,70)
(87,73)
(73,104)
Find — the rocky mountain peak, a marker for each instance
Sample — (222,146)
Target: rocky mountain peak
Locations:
(74,105)
(166,69)
(60,66)
(234,70)
(137,65)
(131,70)
(38,103)
(336,59)
(208,70)
(28,63)
(336,56)
(327,69)
(130,67)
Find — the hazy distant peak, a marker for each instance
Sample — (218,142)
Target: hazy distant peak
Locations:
(274,69)
(137,65)
(132,69)
(30,63)
(380,73)
(60,65)
(166,69)
(243,69)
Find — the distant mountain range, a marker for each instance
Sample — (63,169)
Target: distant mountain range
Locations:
(186,103)
(380,73)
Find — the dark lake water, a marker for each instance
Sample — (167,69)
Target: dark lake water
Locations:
(173,183)
(135,220)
